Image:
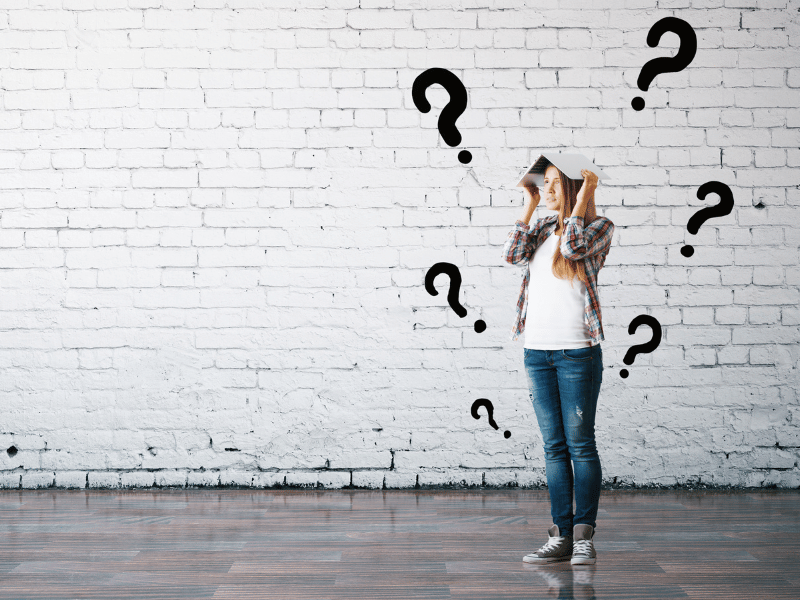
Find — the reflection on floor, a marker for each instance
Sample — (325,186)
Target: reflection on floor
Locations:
(351,544)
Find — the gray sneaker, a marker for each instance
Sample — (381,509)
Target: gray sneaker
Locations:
(557,548)
(583,548)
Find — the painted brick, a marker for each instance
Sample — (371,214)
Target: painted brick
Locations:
(104,479)
(10,479)
(368,479)
(71,479)
(135,479)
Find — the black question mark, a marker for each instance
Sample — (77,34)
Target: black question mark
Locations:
(489,410)
(724,207)
(651,322)
(672,64)
(456,105)
(454,274)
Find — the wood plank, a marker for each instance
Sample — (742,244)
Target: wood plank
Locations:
(399,544)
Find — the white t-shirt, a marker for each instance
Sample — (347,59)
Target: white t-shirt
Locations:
(554,318)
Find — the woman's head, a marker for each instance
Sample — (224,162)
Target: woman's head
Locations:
(560,193)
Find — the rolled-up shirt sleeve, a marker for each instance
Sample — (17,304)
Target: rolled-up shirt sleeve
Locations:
(578,242)
(521,242)
(514,250)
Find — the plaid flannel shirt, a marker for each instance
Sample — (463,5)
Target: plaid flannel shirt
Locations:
(590,244)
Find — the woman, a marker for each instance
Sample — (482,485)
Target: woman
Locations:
(563,359)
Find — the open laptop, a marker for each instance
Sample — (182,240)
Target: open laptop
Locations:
(570,165)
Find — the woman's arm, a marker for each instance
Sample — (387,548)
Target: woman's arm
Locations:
(578,242)
(532,195)
(521,243)
(585,194)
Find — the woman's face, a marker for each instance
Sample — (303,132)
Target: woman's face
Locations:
(552,192)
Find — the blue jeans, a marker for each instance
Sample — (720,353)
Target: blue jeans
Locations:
(564,386)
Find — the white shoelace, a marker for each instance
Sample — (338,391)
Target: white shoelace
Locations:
(552,544)
(582,547)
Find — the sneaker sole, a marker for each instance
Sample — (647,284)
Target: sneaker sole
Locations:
(540,561)
(584,561)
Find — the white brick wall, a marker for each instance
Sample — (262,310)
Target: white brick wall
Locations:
(216,219)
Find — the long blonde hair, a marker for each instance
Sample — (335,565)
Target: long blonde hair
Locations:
(564,268)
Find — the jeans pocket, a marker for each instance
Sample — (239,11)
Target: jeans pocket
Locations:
(578,354)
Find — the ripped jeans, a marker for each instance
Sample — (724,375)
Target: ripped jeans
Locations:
(564,386)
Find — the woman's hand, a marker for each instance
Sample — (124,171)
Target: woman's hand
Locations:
(532,201)
(532,195)
(586,193)
(590,182)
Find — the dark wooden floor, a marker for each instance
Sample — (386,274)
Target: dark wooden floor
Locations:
(304,545)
